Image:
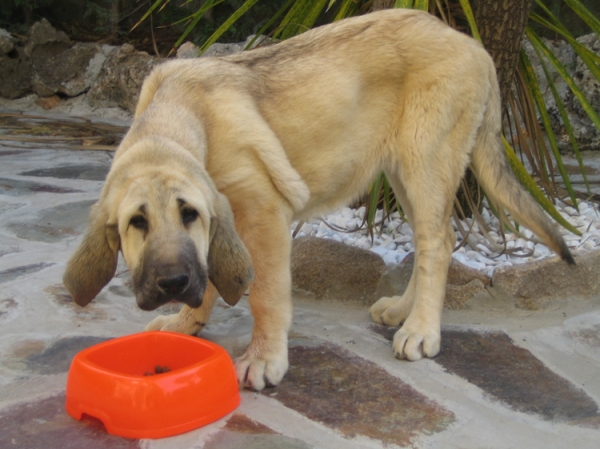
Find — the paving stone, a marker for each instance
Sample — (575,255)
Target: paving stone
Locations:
(55,223)
(513,375)
(13,273)
(26,348)
(243,424)
(58,356)
(14,152)
(121,290)
(8,307)
(589,336)
(242,432)
(355,397)
(45,424)
(9,250)
(62,297)
(92,313)
(15,187)
(89,172)
(9,207)
(509,374)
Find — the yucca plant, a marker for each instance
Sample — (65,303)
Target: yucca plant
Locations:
(530,142)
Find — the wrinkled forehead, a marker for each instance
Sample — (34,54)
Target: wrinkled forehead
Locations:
(162,193)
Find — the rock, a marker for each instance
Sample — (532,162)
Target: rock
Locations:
(537,284)
(15,73)
(48,64)
(188,50)
(57,69)
(395,280)
(587,136)
(42,33)
(7,42)
(457,296)
(48,102)
(217,49)
(585,132)
(121,77)
(327,269)
(463,283)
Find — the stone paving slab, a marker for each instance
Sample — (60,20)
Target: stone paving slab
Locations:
(506,377)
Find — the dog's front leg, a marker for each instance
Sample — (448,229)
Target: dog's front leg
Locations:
(266,234)
(188,321)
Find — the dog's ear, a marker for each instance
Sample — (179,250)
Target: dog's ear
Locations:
(229,263)
(94,262)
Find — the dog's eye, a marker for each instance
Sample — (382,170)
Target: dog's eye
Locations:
(139,222)
(188,215)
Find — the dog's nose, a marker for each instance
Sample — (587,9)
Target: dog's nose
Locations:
(174,284)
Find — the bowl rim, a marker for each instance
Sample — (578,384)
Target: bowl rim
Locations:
(83,355)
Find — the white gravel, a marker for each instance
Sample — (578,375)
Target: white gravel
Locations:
(394,242)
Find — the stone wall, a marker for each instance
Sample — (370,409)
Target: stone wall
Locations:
(587,136)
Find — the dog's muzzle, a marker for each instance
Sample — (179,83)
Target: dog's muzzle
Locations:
(166,276)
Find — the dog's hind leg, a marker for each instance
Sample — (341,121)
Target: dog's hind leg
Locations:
(189,320)
(392,311)
(429,191)
(425,173)
(420,307)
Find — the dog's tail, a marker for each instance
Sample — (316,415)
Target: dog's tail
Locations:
(493,172)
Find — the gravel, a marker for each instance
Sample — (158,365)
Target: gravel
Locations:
(394,241)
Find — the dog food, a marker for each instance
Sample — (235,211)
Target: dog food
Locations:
(158,369)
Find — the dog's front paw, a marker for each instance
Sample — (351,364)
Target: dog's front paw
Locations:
(413,342)
(174,323)
(391,311)
(259,369)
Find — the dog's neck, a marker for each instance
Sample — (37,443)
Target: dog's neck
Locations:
(169,120)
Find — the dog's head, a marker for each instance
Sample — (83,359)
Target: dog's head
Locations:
(175,230)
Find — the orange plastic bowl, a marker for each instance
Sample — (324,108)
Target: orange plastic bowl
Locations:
(108,381)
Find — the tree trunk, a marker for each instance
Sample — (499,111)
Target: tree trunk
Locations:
(113,17)
(501,24)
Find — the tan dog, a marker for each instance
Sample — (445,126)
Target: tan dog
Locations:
(290,131)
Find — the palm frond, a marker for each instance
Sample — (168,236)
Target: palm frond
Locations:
(270,23)
(566,122)
(562,71)
(423,5)
(348,8)
(468,11)
(525,178)
(585,15)
(589,58)
(301,17)
(152,8)
(226,25)
(534,88)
